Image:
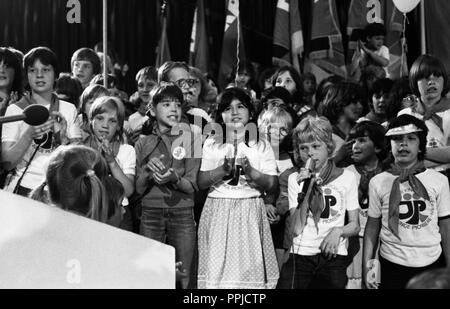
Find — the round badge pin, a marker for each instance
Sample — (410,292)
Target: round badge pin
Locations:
(179,153)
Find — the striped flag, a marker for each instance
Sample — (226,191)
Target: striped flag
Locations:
(199,48)
(287,34)
(230,52)
(162,50)
(326,56)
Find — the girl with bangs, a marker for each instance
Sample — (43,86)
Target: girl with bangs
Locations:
(277,124)
(106,117)
(235,244)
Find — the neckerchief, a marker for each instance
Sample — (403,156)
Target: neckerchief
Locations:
(431,112)
(395,196)
(363,187)
(313,200)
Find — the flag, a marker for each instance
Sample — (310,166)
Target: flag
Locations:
(287,34)
(437,21)
(231,39)
(199,48)
(162,50)
(361,13)
(326,55)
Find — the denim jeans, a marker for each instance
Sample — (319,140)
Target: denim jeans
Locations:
(176,227)
(313,272)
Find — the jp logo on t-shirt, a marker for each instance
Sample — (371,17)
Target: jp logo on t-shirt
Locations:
(364,205)
(333,205)
(46,142)
(413,211)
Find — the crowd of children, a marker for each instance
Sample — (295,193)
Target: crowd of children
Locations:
(278,184)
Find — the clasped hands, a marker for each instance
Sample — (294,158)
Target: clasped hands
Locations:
(160,173)
(251,174)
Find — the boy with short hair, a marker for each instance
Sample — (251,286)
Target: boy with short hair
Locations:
(316,227)
(167,180)
(408,211)
(368,152)
(25,147)
(85,64)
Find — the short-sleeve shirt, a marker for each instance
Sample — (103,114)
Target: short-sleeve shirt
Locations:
(126,159)
(419,243)
(435,137)
(339,196)
(12,132)
(260,156)
(383,52)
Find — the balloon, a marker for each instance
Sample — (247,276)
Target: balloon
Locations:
(406,6)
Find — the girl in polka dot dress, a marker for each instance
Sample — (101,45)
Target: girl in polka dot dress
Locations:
(234,238)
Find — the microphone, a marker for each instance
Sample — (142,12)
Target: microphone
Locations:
(310,165)
(33,115)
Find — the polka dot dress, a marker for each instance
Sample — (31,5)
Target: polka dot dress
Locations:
(235,246)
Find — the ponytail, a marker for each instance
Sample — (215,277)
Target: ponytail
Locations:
(98,202)
(40,194)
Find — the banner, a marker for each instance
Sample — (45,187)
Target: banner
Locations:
(437,27)
(287,35)
(163,50)
(363,12)
(326,56)
(199,48)
(230,52)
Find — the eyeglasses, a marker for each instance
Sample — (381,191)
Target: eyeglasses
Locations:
(273,129)
(190,82)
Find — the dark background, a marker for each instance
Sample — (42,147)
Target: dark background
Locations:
(134,28)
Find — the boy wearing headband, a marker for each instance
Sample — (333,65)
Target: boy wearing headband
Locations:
(409,211)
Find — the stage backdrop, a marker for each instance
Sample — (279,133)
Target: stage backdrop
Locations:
(46,247)
(134,28)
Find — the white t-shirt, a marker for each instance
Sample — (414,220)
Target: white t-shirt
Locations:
(362,208)
(435,138)
(419,243)
(340,195)
(13,130)
(135,122)
(260,156)
(126,159)
(383,52)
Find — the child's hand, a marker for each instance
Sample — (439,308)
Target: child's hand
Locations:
(60,123)
(36,132)
(249,171)
(303,174)
(170,176)
(272,214)
(228,165)
(330,244)
(370,275)
(180,273)
(155,165)
(107,151)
